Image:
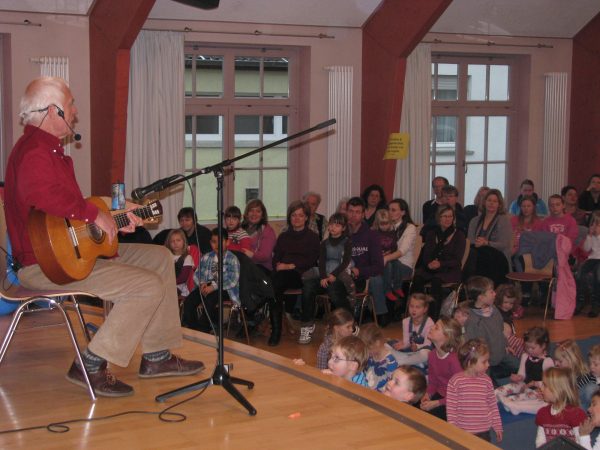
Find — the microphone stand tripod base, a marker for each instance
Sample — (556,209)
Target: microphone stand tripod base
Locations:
(220,377)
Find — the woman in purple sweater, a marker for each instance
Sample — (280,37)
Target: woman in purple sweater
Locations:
(442,256)
(295,254)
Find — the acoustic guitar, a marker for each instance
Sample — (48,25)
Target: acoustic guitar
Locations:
(66,250)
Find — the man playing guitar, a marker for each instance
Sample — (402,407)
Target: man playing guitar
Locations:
(140,281)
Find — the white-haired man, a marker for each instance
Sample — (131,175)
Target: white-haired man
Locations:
(140,281)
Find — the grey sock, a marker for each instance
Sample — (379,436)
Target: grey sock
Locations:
(91,361)
(159,356)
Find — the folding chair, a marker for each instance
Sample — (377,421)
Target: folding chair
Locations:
(532,275)
(237,311)
(55,299)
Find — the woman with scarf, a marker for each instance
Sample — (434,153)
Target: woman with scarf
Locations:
(441,257)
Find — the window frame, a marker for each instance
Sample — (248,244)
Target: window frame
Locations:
(463,108)
(229,106)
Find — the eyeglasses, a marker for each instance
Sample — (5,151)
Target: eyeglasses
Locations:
(336,359)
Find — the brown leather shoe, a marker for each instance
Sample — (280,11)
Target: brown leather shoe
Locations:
(174,366)
(103,382)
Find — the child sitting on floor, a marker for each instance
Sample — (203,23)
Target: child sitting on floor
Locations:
(508,299)
(568,355)
(461,313)
(348,359)
(485,322)
(589,430)
(381,362)
(562,416)
(407,385)
(340,323)
(415,329)
(522,394)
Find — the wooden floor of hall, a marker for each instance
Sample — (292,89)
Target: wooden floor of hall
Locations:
(298,407)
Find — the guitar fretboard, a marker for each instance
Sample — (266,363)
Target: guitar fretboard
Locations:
(144,212)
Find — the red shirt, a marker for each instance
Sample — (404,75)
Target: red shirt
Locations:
(561,424)
(39,175)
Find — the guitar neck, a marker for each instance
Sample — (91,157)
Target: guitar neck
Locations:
(144,212)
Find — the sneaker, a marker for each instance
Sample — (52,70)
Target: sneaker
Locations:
(306,334)
(391,296)
(174,366)
(104,383)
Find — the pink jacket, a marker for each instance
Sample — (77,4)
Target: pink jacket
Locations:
(563,298)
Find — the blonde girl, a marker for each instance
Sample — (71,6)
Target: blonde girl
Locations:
(340,323)
(443,364)
(470,400)
(184,264)
(562,416)
(568,355)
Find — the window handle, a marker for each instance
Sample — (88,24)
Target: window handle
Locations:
(465,165)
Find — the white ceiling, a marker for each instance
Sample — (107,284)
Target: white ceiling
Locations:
(537,18)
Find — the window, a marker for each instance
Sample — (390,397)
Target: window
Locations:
(237,100)
(472,111)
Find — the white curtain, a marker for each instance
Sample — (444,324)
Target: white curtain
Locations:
(412,174)
(155,117)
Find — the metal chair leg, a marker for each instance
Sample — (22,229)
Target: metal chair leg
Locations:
(69,327)
(80,318)
(548,297)
(12,328)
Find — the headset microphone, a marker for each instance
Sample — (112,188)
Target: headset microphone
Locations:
(61,113)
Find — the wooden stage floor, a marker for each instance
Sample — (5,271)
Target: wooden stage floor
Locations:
(298,407)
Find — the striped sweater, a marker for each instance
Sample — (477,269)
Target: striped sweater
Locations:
(471,403)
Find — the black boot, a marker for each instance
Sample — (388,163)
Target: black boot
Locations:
(276,319)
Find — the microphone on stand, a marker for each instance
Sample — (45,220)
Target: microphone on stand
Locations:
(157,186)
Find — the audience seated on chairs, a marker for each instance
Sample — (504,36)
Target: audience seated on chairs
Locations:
(526,220)
(195,233)
(449,198)
(472,211)
(588,277)
(316,222)
(207,293)
(335,256)
(374,199)
(558,222)
(589,200)
(570,198)
(490,235)
(184,263)
(527,188)
(238,237)
(441,259)
(366,252)
(431,206)
(294,261)
(262,235)
(399,264)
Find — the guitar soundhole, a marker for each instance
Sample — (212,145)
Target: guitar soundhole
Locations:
(96,234)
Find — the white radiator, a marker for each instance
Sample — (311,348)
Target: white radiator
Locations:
(53,66)
(555,154)
(339,144)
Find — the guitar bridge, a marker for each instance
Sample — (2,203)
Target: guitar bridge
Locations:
(74,240)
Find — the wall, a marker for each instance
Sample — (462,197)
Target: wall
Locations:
(345,49)
(584,146)
(533,64)
(58,36)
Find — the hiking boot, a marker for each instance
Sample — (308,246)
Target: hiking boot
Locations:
(173,366)
(104,383)
(306,334)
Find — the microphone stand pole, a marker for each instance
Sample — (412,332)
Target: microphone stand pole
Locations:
(220,376)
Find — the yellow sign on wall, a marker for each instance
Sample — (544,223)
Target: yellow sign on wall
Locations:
(397,147)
